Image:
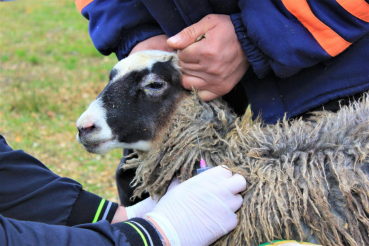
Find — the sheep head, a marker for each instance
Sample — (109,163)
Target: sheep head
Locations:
(130,111)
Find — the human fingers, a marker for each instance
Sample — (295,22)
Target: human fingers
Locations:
(231,222)
(206,95)
(227,188)
(235,202)
(192,53)
(190,34)
(190,66)
(213,89)
(222,171)
(190,81)
(195,79)
(158,42)
(236,184)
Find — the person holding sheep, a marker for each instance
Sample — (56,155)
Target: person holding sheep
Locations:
(283,57)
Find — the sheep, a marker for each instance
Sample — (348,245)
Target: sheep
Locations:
(308,180)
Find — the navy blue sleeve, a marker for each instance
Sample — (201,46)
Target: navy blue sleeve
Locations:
(132,232)
(30,191)
(117,26)
(14,232)
(286,36)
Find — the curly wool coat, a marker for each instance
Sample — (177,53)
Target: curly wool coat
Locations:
(307,180)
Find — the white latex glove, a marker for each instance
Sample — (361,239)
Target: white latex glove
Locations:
(141,208)
(137,210)
(145,206)
(201,209)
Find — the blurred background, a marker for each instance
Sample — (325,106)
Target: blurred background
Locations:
(49,73)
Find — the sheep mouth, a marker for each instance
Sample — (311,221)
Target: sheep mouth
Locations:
(98,147)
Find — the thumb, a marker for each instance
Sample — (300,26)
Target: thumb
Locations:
(189,35)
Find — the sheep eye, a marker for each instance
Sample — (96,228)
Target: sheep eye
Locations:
(155,86)
(152,85)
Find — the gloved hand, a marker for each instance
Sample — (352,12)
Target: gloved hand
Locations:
(137,210)
(141,208)
(201,209)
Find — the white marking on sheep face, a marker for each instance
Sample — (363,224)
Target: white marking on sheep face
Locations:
(143,60)
(132,108)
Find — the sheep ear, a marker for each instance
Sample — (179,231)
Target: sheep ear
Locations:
(175,62)
(113,73)
(171,58)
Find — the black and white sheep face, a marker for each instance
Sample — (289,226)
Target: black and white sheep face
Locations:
(136,103)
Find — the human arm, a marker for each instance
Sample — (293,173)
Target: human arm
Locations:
(28,185)
(15,232)
(287,36)
(272,38)
(134,230)
(117,26)
(30,191)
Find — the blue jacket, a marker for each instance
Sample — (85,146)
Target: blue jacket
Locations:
(303,53)
(37,207)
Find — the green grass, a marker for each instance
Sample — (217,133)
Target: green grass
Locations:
(49,73)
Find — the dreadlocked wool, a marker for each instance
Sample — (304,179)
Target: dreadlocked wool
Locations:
(307,180)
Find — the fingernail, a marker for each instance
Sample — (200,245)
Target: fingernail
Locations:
(175,39)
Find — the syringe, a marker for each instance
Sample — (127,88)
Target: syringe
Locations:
(203,166)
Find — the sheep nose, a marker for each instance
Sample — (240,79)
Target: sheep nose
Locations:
(82,131)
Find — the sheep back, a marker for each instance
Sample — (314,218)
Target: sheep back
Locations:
(307,180)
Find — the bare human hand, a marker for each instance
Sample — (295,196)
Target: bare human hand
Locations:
(154,43)
(216,63)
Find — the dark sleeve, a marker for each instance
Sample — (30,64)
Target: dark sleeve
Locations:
(30,191)
(117,26)
(286,36)
(14,232)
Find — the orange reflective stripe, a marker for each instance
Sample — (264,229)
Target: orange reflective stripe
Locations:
(358,8)
(80,4)
(329,40)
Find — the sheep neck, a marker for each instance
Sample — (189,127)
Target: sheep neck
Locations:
(175,150)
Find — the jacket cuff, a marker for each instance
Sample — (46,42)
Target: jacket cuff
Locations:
(134,36)
(139,232)
(256,57)
(90,208)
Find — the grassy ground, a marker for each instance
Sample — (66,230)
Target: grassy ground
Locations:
(49,73)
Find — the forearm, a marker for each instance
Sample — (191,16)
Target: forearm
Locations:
(132,232)
(28,185)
